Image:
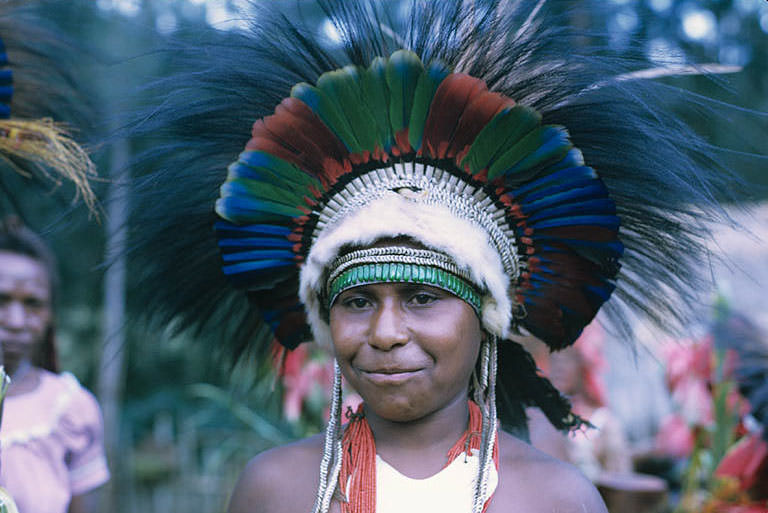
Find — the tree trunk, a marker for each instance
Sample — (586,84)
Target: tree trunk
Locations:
(111,369)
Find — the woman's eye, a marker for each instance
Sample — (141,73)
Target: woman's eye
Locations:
(423,299)
(34,304)
(356,303)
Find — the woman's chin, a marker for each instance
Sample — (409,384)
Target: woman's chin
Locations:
(396,410)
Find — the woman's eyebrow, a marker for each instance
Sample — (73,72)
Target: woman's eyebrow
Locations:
(415,287)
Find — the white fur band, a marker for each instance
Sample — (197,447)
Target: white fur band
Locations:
(436,227)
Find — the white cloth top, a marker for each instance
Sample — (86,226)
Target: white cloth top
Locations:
(449,491)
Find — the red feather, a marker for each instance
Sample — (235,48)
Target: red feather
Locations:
(479,111)
(451,98)
(309,123)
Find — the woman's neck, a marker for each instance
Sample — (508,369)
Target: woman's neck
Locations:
(24,379)
(419,448)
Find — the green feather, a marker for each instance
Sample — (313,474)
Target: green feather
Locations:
(373,85)
(342,87)
(426,87)
(261,190)
(326,108)
(239,171)
(506,128)
(554,148)
(538,146)
(403,70)
(277,169)
(240,208)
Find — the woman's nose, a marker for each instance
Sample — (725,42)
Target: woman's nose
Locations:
(13,315)
(388,328)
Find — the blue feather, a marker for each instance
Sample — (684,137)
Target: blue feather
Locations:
(603,293)
(260,265)
(257,255)
(574,158)
(592,189)
(263,229)
(592,206)
(605,221)
(613,248)
(234,205)
(563,176)
(255,243)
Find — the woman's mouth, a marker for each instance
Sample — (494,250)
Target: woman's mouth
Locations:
(390,376)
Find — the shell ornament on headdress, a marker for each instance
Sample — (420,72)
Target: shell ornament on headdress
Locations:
(479,147)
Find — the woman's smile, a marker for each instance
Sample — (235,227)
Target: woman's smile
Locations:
(389,377)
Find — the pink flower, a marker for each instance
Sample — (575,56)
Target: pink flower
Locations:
(693,401)
(687,359)
(675,437)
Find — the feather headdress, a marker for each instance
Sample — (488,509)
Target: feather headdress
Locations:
(559,186)
(36,90)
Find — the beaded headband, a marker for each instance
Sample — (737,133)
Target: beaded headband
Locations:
(398,264)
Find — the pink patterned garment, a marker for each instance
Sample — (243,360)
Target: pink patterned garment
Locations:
(51,445)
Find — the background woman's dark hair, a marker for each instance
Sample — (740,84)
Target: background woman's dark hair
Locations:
(15,237)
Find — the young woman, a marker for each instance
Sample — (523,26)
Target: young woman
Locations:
(409,197)
(410,350)
(51,439)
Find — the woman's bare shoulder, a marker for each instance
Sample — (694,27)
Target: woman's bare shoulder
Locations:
(533,481)
(281,479)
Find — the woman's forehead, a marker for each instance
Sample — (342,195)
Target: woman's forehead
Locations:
(22,271)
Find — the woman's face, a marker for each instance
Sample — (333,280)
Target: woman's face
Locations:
(25,307)
(407,349)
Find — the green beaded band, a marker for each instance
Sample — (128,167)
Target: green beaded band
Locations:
(397,272)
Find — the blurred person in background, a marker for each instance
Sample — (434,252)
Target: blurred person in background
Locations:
(577,373)
(51,449)
(51,439)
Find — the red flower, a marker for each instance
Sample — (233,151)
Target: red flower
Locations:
(745,461)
